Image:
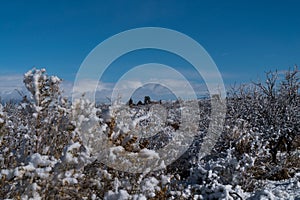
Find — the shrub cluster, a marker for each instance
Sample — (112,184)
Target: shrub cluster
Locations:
(43,156)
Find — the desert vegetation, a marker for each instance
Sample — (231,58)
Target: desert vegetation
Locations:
(43,156)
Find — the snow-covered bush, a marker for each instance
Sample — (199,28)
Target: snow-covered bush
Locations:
(2,122)
(262,129)
(39,128)
(47,152)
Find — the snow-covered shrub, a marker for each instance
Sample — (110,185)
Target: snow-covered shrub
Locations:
(39,128)
(261,125)
(46,153)
(2,122)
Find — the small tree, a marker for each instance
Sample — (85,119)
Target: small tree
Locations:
(130,102)
(139,103)
(147,100)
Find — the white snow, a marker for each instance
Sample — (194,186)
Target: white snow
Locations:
(38,160)
(149,154)
(68,155)
(69,180)
(139,197)
(115,151)
(118,195)
(149,186)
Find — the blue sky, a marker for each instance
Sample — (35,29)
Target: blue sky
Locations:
(244,38)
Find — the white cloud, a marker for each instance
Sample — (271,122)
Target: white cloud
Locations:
(156,88)
(10,86)
(11,82)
